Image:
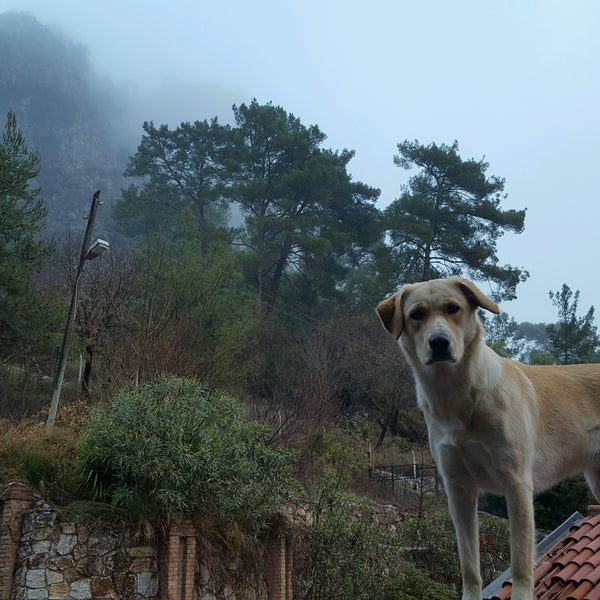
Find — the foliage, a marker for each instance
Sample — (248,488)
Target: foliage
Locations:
(338,456)
(303,213)
(502,335)
(448,218)
(352,555)
(557,504)
(304,219)
(209,296)
(541,358)
(175,446)
(312,377)
(171,309)
(21,252)
(182,171)
(22,390)
(573,339)
(433,546)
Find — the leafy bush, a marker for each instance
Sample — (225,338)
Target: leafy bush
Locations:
(350,554)
(175,446)
(558,503)
(432,546)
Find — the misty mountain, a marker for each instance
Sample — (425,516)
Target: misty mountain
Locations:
(67,112)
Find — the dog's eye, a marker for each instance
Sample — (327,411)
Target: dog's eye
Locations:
(418,314)
(452,309)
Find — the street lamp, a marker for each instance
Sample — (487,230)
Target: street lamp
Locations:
(89,251)
(97,248)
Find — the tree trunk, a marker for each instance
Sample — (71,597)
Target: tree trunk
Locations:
(87,371)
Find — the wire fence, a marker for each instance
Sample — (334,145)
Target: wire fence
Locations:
(409,478)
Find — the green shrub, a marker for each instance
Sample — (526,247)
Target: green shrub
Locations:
(558,503)
(175,446)
(351,554)
(432,543)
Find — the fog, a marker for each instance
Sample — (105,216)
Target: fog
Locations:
(514,82)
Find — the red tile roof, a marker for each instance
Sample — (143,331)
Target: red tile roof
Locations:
(570,570)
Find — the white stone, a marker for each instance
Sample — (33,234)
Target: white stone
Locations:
(36,595)
(35,578)
(66,543)
(81,589)
(146,584)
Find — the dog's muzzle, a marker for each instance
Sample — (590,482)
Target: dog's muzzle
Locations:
(440,349)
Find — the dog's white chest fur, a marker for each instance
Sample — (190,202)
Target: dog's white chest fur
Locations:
(465,448)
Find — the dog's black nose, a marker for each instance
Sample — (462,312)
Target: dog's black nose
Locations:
(440,346)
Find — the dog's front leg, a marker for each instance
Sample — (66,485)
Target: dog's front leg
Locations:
(519,502)
(462,502)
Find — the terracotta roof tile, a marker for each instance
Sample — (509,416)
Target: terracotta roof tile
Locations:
(570,570)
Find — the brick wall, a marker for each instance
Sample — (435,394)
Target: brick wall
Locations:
(178,570)
(15,499)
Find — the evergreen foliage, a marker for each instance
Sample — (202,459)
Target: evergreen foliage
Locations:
(448,218)
(573,339)
(555,505)
(351,555)
(23,321)
(181,171)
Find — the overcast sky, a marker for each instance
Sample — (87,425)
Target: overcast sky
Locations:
(515,81)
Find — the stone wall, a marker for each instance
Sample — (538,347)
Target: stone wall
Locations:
(44,558)
(65,561)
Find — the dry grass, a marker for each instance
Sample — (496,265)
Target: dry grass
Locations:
(29,454)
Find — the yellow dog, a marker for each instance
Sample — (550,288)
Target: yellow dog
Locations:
(494,424)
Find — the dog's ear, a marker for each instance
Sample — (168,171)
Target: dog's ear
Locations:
(475,295)
(392,316)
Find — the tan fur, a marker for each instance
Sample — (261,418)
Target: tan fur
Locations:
(494,424)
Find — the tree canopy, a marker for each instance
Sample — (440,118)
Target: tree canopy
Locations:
(448,218)
(22,217)
(303,213)
(573,339)
(304,218)
(182,171)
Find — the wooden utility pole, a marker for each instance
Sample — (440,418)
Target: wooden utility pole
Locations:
(61,361)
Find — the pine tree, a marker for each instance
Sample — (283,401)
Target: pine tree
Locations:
(448,219)
(21,251)
(573,339)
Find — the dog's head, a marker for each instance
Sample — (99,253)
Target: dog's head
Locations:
(435,321)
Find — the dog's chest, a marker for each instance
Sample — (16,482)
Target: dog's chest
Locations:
(465,459)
